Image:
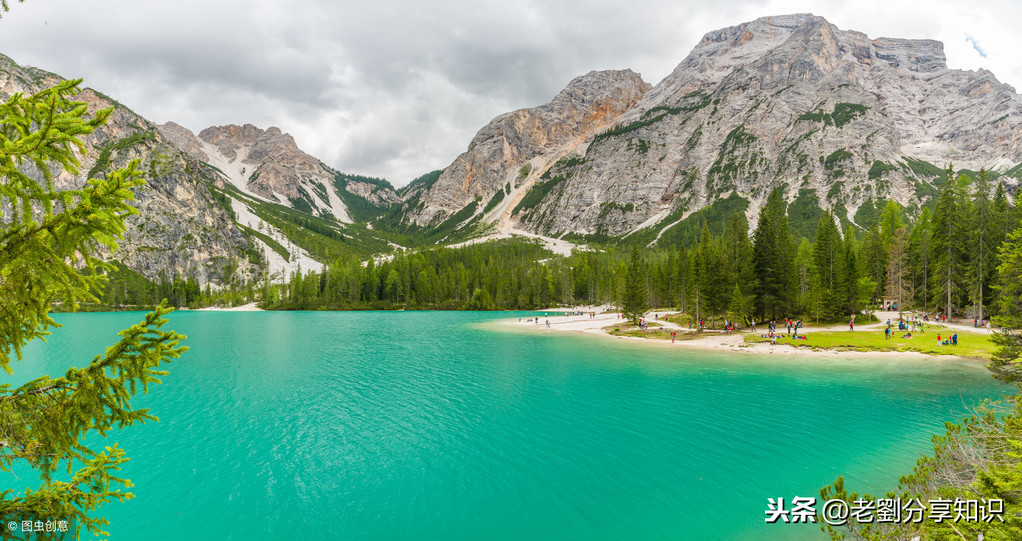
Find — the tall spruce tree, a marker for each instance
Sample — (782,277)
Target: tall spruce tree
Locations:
(919,259)
(1006,362)
(714,276)
(874,249)
(737,255)
(804,270)
(829,262)
(890,222)
(50,241)
(633,302)
(947,246)
(773,258)
(983,253)
(897,269)
(858,285)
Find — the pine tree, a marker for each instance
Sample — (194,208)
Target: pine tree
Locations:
(1010,286)
(773,258)
(919,259)
(858,286)
(736,310)
(49,250)
(874,249)
(713,275)
(947,244)
(829,262)
(890,223)
(737,253)
(897,269)
(633,303)
(1006,364)
(982,228)
(804,272)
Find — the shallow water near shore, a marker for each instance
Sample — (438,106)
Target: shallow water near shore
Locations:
(427,425)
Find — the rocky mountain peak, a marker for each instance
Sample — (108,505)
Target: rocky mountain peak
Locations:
(497,154)
(773,29)
(836,119)
(184,139)
(179,229)
(920,55)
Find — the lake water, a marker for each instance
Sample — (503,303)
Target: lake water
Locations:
(438,425)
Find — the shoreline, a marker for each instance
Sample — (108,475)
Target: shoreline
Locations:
(250,307)
(719,342)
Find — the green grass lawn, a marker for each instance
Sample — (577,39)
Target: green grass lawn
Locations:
(970,345)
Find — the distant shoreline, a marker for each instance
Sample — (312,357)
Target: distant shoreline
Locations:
(708,341)
(250,307)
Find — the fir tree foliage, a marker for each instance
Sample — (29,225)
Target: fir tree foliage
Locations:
(49,252)
(977,459)
(774,259)
(948,245)
(634,301)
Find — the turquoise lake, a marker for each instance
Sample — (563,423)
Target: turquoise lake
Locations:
(443,425)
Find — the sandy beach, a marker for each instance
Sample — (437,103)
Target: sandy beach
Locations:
(250,307)
(712,340)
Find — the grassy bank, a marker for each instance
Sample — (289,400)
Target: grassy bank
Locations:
(970,345)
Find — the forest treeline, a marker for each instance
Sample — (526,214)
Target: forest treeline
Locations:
(942,260)
(945,260)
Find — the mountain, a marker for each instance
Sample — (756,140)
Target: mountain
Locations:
(181,229)
(504,153)
(234,202)
(299,212)
(267,164)
(833,118)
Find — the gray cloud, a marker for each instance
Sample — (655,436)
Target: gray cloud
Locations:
(395,88)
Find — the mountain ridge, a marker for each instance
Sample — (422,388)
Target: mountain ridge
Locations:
(787,102)
(832,118)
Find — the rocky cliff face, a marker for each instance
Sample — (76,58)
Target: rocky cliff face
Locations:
(180,229)
(500,155)
(834,118)
(269,165)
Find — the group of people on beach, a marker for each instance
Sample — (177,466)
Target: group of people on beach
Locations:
(791,326)
(909,326)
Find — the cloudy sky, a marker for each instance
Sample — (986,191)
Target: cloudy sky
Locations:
(396,88)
